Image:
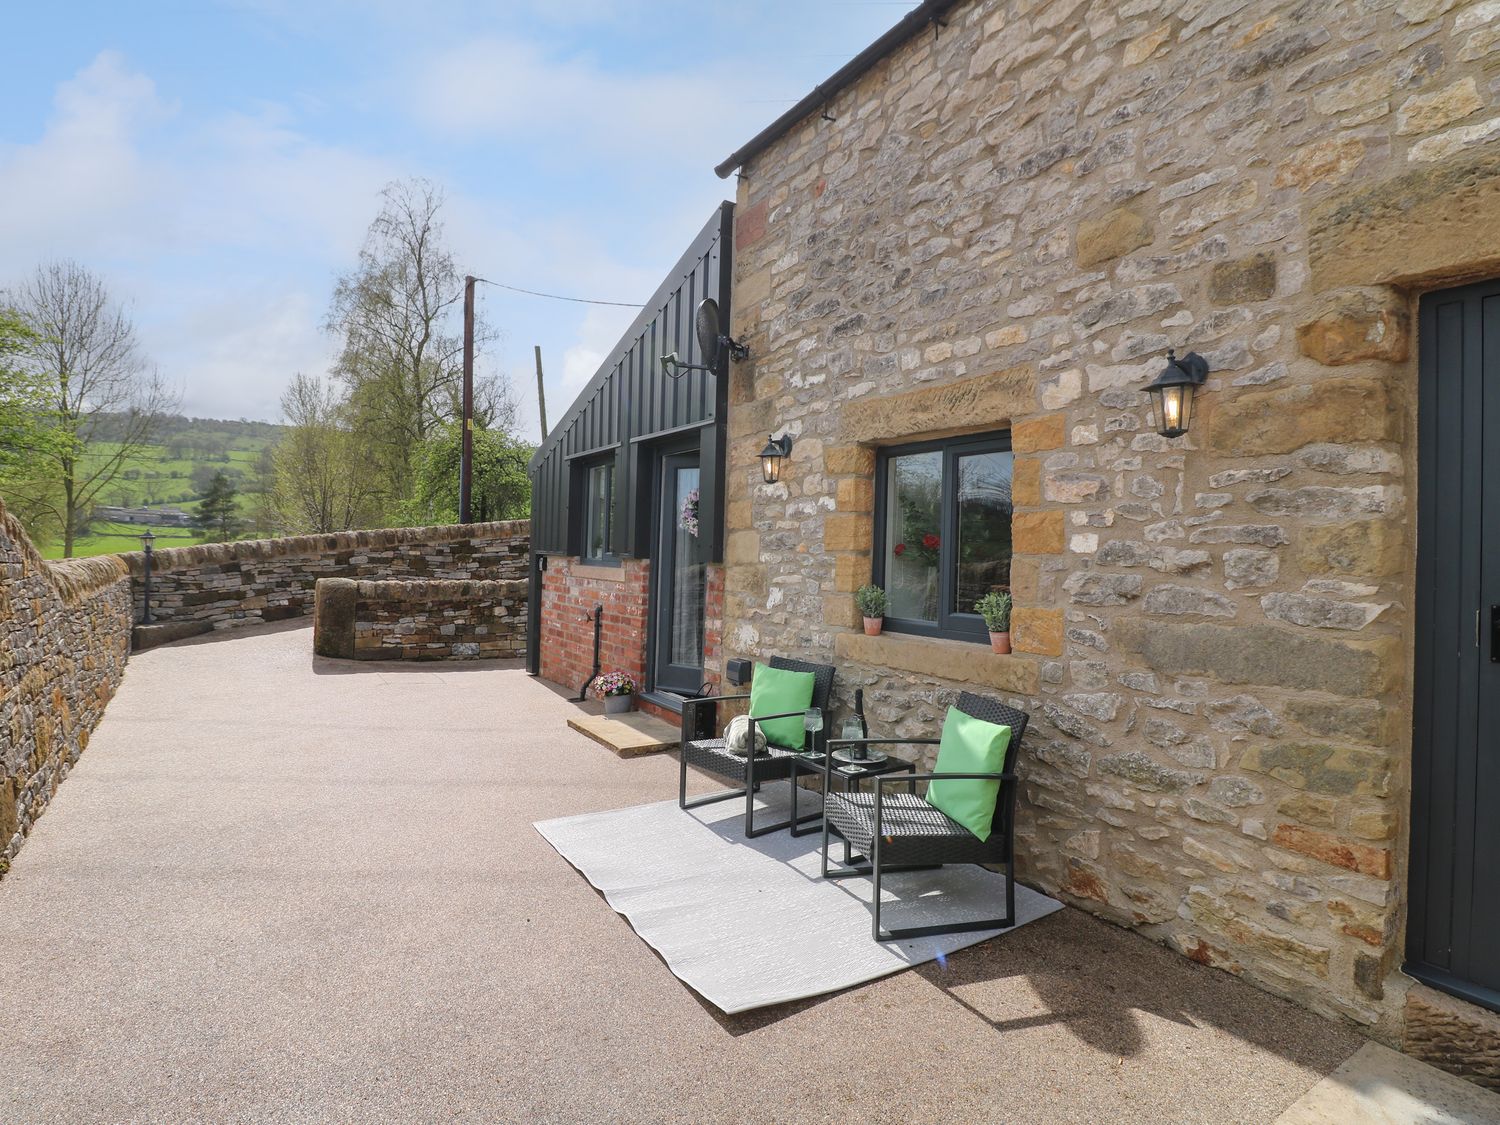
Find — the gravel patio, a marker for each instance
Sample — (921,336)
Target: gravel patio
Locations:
(286,888)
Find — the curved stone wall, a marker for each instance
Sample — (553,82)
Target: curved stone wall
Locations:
(225,585)
(64,638)
(407,620)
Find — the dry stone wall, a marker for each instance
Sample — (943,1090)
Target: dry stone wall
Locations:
(413,620)
(1004,225)
(225,585)
(64,637)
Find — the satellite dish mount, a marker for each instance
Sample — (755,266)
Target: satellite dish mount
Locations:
(713,344)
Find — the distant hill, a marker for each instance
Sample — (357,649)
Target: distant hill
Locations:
(174,472)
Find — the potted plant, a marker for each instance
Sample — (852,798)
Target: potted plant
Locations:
(994,607)
(871,601)
(617,689)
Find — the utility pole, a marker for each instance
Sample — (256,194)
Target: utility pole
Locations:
(466,456)
(541,391)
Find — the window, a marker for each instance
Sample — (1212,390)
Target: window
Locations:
(598,510)
(942,532)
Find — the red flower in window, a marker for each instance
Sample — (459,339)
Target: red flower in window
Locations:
(930,541)
(899,548)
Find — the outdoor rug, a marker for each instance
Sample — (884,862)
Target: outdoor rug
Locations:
(749,923)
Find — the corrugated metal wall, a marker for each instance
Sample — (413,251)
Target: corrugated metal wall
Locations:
(629,405)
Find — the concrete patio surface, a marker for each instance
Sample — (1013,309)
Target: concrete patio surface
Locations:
(279,888)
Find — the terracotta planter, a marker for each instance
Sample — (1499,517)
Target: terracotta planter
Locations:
(1000,642)
(873,625)
(618,704)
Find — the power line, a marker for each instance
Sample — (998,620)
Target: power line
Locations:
(555,297)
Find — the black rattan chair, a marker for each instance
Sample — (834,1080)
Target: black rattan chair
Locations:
(901,830)
(711,755)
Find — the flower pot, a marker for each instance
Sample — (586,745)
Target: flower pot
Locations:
(873,625)
(618,704)
(1000,642)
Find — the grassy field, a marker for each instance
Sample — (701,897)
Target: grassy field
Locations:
(116,538)
(173,473)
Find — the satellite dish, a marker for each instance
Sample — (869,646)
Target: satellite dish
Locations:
(707,324)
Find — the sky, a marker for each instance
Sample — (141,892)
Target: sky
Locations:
(218,161)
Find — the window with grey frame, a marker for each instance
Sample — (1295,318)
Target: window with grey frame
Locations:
(598,512)
(943,532)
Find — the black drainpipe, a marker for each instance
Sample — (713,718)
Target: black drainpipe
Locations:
(598,615)
(534,614)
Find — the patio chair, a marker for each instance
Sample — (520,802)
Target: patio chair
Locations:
(893,829)
(711,755)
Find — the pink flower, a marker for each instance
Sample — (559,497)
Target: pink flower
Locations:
(930,541)
(900,549)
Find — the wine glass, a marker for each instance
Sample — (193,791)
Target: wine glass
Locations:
(812,723)
(854,731)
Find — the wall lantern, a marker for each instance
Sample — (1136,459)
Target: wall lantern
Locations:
(777,450)
(147,539)
(1172,392)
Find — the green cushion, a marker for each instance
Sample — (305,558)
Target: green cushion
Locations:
(969,745)
(775,691)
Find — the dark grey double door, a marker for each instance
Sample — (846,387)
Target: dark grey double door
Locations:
(1453,927)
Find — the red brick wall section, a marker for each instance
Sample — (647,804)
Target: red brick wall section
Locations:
(569,594)
(567,633)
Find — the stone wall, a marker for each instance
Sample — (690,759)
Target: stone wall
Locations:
(1004,225)
(64,637)
(416,620)
(224,585)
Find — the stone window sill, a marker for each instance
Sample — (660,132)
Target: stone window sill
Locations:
(957,661)
(598,573)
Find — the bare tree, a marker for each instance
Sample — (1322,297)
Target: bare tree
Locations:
(399,314)
(322,479)
(84,348)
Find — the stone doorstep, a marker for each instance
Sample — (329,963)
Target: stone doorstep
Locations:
(630,735)
(1379,1085)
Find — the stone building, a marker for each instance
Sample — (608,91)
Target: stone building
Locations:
(958,265)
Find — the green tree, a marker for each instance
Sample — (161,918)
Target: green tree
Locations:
(103,404)
(217,507)
(260,493)
(501,489)
(398,315)
(323,480)
(26,432)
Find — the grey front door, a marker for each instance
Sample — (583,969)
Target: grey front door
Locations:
(1453,931)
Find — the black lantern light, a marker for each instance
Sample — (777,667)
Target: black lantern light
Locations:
(777,450)
(1172,392)
(147,538)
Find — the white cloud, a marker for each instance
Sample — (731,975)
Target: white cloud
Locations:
(225,226)
(236,350)
(84,182)
(664,121)
(601,330)
(217,234)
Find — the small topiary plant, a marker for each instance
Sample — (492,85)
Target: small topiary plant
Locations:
(994,607)
(871,601)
